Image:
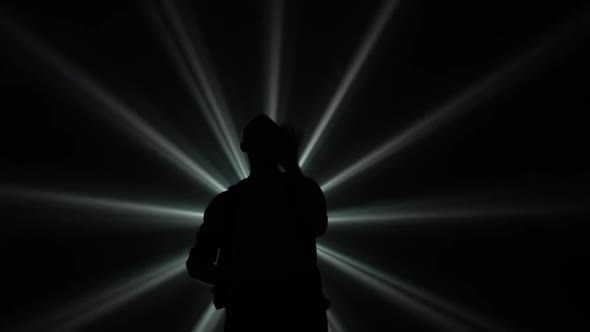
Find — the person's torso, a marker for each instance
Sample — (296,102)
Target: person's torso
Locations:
(270,247)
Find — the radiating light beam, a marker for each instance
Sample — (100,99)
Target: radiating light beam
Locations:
(334,322)
(520,66)
(350,75)
(144,132)
(192,85)
(420,213)
(185,71)
(208,83)
(275,48)
(92,307)
(210,318)
(439,312)
(176,216)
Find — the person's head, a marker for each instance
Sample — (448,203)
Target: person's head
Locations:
(261,140)
(289,149)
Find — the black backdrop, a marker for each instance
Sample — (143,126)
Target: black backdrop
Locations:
(527,143)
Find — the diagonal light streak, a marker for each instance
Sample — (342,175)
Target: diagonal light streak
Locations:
(210,318)
(350,75)
(192,85)
(404,301)
(438,311)
(275,48)
(92,307)
(176,216)
(334,322)
(80,80)
(459,210)
(209,85)
(468,99)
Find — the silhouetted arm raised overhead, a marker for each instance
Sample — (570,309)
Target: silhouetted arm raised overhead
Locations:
(201,262)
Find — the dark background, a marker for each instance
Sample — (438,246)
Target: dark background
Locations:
(527,143)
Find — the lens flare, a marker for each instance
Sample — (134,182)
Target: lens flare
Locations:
(350,75)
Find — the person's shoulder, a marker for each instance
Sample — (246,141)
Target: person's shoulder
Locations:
(310,182)
(305,183)
(313,186)
(225,197)
(303,180)
(238,187)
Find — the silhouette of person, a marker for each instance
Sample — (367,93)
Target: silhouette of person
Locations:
(257,243)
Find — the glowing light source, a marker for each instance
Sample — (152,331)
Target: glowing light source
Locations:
(210,87)
(143,131)
(177,217)
(468,99)
(272,98)
(351,73)
(439,312)
(210,318)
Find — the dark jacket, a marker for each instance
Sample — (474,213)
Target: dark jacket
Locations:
(257,243)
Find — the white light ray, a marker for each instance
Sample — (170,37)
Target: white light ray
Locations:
(449,211)
(209,320)
(92,307)
(468,99)
(210,87)
(275,48)
(126,293)
(185,72)
(334,322)
(351,73)
(440,312)
(178,217)
(144,132)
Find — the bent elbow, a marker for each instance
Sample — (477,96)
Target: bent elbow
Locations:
(199,273)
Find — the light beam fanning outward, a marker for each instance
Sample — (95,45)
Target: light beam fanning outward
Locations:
(209,85)
(467,100)
(191,83)
(175,216)
(78,79)
(275,47)
(92,307)
(351,72)
(334,322)
(439,312)
(210,318)
(451,211)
